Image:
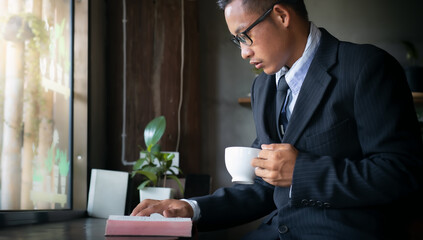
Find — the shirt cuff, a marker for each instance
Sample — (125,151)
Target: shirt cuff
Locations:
(195,208)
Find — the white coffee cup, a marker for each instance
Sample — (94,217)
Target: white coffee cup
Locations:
(238,163)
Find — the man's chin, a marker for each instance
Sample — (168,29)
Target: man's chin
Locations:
(269,71)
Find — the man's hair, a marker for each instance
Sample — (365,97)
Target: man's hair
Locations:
(260,6)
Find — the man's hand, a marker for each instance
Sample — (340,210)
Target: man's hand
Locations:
(168,208)
(276,163)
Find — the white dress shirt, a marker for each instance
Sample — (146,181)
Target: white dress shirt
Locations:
(296,74)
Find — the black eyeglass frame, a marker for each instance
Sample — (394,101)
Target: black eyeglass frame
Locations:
(243,36)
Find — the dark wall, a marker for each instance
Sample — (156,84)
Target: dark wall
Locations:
(153,79)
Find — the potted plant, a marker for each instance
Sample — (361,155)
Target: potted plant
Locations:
(155,166)
(414,72)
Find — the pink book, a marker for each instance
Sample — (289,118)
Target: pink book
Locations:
(155,225)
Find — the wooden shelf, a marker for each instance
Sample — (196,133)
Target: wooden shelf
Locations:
(245,101)
(417,96)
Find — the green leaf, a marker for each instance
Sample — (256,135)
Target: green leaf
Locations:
(179,169)
(143,153)
(64,164)
(172,171)
(143,184)
(168,164)
(138,164)
(151,168)
(156,150)
(181,188)
(154,131)
(57,155)
(169,156)
(150,175)
(49,160)
(37,175)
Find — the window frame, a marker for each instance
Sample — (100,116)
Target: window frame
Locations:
(79,145)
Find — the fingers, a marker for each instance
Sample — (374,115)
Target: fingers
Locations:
(274,158)
(167,208)
(259,162)
(177,208)
(140,209)
(275,164)
(171,212)
(267,146)
(275,146)
(275,151)
(260,172)
(177,212)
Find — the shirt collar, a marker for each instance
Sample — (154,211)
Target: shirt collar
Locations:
(296,74)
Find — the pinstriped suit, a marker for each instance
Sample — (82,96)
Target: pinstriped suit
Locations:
(355,127)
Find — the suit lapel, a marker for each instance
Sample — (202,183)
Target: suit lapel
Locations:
(314,87)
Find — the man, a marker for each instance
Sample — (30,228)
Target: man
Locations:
(341,147)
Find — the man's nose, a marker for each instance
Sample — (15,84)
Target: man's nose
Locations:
(246,51)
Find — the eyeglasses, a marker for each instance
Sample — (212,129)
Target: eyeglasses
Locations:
(243,37)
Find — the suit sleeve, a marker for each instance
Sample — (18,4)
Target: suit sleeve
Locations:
(236,205)
(390,141)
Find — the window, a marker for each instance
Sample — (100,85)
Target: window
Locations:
(38,155)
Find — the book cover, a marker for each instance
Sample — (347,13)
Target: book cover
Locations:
(155,225)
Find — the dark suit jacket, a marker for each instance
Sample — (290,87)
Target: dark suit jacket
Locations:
(355,127)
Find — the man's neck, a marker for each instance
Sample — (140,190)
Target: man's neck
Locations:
(300,35)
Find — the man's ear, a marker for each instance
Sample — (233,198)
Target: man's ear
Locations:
(283,14)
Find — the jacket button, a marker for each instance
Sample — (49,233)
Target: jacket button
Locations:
(283,229)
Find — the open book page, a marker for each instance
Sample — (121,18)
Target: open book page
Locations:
(153,217)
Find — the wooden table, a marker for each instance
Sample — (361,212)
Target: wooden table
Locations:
(78,229)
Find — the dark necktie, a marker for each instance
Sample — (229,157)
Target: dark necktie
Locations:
(281,119)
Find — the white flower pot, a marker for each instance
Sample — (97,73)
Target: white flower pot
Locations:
(156,193)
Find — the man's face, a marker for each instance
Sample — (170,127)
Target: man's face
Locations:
(269,50)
